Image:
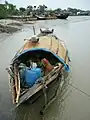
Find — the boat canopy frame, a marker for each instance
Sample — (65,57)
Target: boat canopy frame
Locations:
(42,53)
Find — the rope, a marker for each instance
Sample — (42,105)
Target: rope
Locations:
(44,91)
(79,90)
(48,103)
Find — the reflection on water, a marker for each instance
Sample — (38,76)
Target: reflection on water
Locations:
(75,32)
(26,112)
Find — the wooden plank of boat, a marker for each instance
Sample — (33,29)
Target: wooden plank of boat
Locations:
(12,83)
(17,82)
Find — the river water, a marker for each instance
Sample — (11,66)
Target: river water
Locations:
(76,105)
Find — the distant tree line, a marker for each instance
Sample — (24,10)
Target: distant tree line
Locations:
(8,9)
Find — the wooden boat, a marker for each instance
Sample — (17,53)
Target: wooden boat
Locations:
(40,17)
(44,52)
(63,16)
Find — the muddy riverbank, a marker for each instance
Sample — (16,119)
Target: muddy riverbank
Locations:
(11,26)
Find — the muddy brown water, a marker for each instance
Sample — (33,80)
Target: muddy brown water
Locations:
(76,105)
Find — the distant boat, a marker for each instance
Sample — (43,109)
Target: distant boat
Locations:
(83,13)
(40,17)
(63,16)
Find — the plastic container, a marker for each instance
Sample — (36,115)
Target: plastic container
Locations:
(31,75)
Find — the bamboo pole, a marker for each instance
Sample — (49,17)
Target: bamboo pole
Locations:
(18,92)
(16,77)
(34,30)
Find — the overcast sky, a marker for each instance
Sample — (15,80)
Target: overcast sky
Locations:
(83,4)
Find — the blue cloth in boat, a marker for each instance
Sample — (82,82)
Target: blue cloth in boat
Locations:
(67,68)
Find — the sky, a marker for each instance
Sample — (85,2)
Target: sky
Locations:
(81,4)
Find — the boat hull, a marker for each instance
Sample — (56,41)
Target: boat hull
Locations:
(40,18)
(36,49)
(62,16)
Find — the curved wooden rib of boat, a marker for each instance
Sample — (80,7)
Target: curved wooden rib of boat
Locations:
(44,47)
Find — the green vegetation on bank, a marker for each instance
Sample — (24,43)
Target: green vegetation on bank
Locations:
(8,9)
